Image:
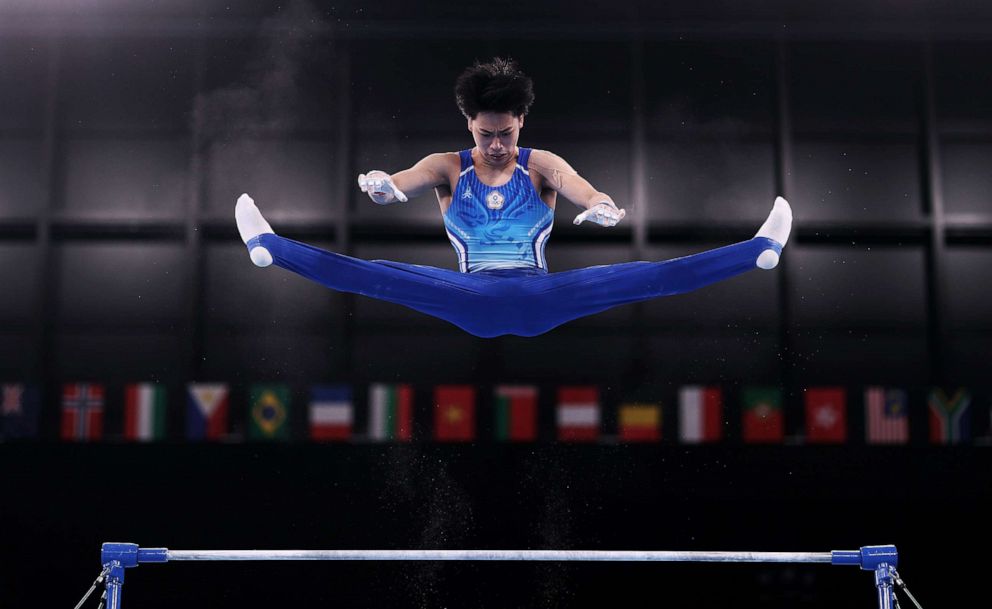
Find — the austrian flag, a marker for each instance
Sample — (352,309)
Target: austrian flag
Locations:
(578,414)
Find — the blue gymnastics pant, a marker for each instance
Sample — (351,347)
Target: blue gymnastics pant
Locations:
(523,302)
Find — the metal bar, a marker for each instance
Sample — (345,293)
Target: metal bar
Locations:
(501,555)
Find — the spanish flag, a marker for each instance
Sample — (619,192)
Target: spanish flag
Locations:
(640,422)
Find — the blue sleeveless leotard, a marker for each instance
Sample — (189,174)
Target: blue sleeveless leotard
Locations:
(498,227)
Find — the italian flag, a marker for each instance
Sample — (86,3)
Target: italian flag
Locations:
(144,412)
(516,413)
(700,414)
(390,412)
(578,414)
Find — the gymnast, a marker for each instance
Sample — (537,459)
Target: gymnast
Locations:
(497,202)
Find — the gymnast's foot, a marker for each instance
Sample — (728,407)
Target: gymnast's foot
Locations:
(777,228)
(251,224)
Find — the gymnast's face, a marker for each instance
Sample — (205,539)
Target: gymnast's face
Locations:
(495,135)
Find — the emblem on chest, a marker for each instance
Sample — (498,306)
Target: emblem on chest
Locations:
(495,200)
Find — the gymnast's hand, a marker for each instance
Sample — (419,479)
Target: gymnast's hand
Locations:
(380,187)
(604,214)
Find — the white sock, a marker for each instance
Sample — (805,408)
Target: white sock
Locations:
(777,228)
(250,225)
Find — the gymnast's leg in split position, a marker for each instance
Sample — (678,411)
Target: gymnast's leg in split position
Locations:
(521,302)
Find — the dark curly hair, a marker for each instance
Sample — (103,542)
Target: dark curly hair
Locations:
(495,86)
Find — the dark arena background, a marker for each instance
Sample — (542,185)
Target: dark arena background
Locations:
(129,128)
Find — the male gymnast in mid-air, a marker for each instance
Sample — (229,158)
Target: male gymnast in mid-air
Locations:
(498,203)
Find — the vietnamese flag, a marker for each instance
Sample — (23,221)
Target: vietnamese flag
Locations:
(454,413)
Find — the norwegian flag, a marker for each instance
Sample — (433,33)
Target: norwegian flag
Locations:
(82,412)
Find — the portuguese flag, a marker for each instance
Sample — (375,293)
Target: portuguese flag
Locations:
(516,413)
(763,420)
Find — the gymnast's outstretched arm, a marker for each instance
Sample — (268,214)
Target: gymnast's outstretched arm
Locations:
(430,172)
(559,176)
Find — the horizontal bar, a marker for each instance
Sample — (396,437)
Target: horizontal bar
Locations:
(503,555)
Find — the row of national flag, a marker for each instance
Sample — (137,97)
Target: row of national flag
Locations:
(701,414)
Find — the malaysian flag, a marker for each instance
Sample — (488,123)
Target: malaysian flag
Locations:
(887,419)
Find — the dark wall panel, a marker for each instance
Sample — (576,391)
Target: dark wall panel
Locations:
(968,279)
(121,284)
(18,355)
(866,357)
(966,178)
(963,94)
(839,287)
(239,294)
(19,278)
(569,354)
(156,73)
(120,356)
(135,179)
(25,62)
(290,81)
(856,182)
(418,353)
(600,98)
(290,179)
(967,357)
(850,86)
(392,90)
(725,88)
(728,181)
(713,357)
(22,177)
(262,355)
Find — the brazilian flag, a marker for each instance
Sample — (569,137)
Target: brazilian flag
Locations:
(268,412)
